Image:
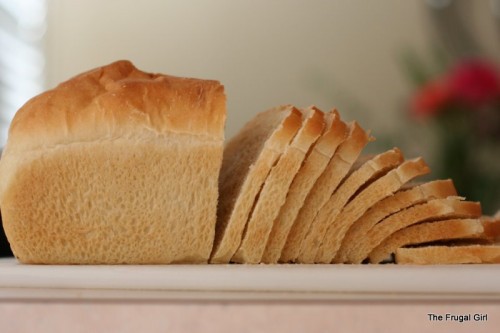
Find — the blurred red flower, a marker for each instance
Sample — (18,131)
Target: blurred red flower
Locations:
(472,83)
(475,82)
(431,99)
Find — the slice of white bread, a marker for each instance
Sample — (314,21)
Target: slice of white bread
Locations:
(368,172)
(334,134)
(390,205)
(426,233)
(441,255)
(101,170)
(452,207)
(336,170)
(275,189)
(248,159)
(376,191)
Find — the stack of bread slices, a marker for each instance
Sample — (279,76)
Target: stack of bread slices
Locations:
(296,188)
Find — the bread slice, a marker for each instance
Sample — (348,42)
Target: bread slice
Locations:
(273,194)
(491,226)
(390,205)
(100,170)
(440,255)
(316,161)
(376,191)
(368,172)
(437,209)
(426,233)
(337,168)
(248,159)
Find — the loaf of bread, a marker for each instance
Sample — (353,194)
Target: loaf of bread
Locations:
(115,166)
(119,166)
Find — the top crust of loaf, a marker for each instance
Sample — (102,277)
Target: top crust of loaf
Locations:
(117,100)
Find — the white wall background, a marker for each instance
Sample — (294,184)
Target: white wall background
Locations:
(329,53)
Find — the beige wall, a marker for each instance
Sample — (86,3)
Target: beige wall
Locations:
(265,52)
(330,53)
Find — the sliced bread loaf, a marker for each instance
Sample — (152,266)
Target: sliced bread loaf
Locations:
(248,159)
(376,191)
(390,205)
(275,189)
(440,255)
(437,209)
(426,233)
(367,172)
(315,163)
(336,170)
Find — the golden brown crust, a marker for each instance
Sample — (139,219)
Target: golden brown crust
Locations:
(359,139)
(313,125)
(433,255)
(335,133)
(118,100)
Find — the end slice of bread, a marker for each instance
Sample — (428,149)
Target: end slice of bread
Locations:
(248,159)
(428,232)
(367,172)
(275,189)
(400,200)
(376,191)
(438,209)
(315,163)
(440,255)
(338,167)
